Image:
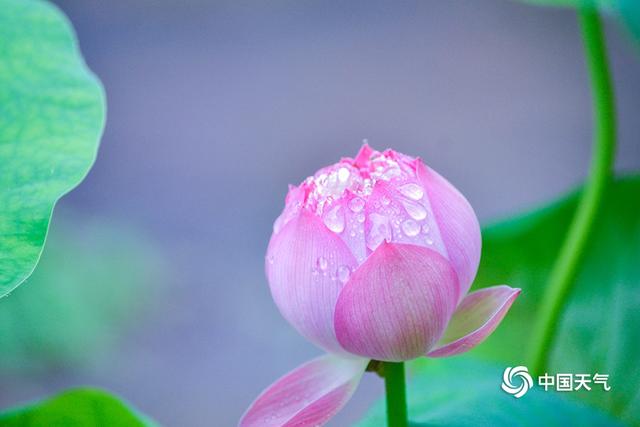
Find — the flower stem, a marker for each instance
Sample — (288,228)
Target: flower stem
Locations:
(565,270)
(396,394)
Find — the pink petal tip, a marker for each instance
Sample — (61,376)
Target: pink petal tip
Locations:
(477,316)
(307,396)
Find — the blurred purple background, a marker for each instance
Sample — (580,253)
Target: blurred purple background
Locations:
(214,107)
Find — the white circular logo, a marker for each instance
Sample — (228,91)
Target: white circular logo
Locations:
(523,381)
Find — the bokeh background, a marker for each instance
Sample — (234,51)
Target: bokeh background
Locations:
(213,108)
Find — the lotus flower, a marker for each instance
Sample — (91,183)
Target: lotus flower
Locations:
(372,258)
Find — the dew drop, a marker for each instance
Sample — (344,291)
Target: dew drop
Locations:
(343,273)
(379,232)
(270,260)
(322,263)
(412,191)
(416,210)
(360,217)
(333,179)
(277,225)
(385,201)
(410,228)
(429,241)
(425,228)
(356,204)
(334,220)
(343,174)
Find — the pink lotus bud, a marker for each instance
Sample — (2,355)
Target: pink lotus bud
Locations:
(373,257)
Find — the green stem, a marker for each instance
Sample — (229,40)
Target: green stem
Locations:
(564,271)
(396,394)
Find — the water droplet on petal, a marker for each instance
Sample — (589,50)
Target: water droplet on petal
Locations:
(429,241)
(410,228)
(332,180)
(334,220)
(343,273)
(360,217)
(385,201)
(415,210)
(380,230)
(270,260)
(412,191)
(356,204)
(343,174)
(425,228)
(322,263)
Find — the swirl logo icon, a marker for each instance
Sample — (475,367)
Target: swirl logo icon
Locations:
(520,376)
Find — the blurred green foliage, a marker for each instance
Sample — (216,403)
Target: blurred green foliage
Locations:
(76,408)
(630,12)
(463,392)
(52,113)
(598,331)
(93,279)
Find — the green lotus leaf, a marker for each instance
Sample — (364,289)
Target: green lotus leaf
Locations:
(52,112)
